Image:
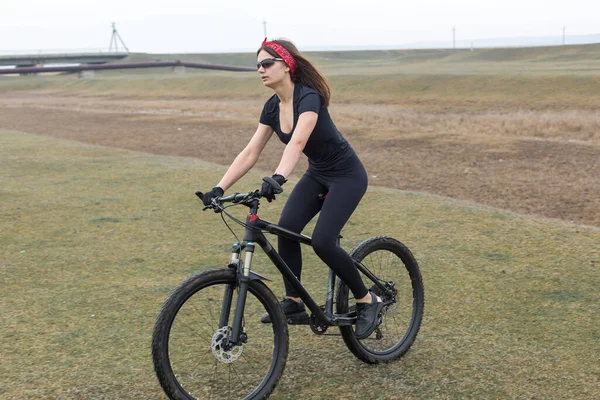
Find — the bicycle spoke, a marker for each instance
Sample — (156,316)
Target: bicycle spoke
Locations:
(191,329)
(232,367)
(214,381)
(253,368)
(211,315)
(229,382)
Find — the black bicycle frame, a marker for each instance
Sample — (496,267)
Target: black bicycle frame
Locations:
(254,235)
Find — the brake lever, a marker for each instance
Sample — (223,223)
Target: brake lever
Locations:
(216,205)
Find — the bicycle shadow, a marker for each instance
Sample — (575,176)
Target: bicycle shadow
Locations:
(322,367)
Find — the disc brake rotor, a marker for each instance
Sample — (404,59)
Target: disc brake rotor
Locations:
(221,349)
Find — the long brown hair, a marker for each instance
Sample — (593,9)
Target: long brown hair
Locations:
(306,73)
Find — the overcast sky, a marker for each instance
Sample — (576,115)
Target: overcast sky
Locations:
(236,25)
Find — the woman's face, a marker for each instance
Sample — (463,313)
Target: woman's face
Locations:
(273,74)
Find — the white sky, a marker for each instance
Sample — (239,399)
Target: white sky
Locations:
(236,25)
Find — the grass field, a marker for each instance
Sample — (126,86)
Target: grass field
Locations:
(557,77)
(94,238)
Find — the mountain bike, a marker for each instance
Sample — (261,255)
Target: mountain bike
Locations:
(209,343)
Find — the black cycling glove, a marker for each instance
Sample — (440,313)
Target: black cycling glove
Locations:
(215,192)
(268,191)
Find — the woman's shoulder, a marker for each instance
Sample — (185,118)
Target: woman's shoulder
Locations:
(272,103)
(303,90)
(307,98)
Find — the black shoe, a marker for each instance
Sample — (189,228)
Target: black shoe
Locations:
(375,289)
(294,312)
(367,315)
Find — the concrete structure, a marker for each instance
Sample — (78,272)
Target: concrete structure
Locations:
(32,60)
(86,74)
(87,67)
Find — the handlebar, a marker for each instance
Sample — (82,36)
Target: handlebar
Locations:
(242,198)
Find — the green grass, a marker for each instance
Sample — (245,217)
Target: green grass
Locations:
(537,58)
(557,76)
(93,239)
(444,90)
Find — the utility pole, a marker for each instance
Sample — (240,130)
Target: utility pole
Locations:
(264,27)
(453,38)
(113,39)
(564,35)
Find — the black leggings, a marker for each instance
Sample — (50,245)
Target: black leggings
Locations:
(344,192)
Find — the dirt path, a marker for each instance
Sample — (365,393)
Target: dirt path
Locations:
(544,163)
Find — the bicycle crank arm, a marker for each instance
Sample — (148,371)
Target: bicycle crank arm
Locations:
(345,319)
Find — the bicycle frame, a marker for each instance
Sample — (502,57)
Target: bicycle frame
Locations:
(253,235)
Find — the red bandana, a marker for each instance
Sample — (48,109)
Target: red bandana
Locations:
(283,53)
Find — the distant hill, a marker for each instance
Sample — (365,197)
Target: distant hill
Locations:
(398,57)
(524,41)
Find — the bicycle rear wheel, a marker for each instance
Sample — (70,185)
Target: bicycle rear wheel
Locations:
(191,355)
(400,320)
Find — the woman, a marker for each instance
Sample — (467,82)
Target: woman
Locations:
(298,114)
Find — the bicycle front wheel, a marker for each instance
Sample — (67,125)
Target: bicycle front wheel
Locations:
(396,268)
(192,356)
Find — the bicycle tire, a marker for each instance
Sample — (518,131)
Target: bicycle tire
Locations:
(372,350)
(181,381)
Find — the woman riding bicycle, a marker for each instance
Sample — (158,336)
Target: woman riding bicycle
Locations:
(298,114)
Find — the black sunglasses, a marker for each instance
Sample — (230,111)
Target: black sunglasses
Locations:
(267,62)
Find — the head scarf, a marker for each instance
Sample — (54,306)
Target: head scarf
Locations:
(283,53)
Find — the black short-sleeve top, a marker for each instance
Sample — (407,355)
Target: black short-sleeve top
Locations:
(326,148)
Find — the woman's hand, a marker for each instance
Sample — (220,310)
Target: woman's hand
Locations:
(268,191)
(215,192)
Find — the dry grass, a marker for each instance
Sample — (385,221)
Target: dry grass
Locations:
(523,159)
(568,125)
(93,239)
(452,88)
(492,124)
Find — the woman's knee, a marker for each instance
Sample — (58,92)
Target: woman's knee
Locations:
(323,243)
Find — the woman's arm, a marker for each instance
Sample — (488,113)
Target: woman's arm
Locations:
(291,155)
(247,157)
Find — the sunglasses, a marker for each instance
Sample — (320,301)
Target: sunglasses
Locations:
(267,62)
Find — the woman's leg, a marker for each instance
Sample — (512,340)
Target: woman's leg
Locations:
(343,198)
(302,205)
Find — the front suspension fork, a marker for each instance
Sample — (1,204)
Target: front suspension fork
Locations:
(243,283)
